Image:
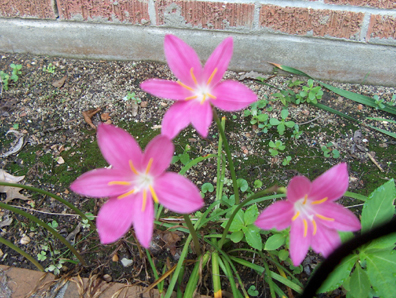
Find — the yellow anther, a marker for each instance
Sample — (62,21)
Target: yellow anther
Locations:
(320,201)
(211,96)
(305,199)
(126,194)
(296,216)
(185,86)
(144,200)
(315,227)
(193,77)
(203,99)
(324,217)
(132,167)
(119,183)
(155,198)
(191,97)
(305,227)
(149,165)
(211,76)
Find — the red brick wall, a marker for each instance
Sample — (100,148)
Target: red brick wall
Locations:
(359,20)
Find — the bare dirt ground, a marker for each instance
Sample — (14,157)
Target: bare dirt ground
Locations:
(45,109)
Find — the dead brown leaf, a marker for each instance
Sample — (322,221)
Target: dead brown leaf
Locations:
(105,116)
(88,115)
(59,83)
(11,192)
(171,238)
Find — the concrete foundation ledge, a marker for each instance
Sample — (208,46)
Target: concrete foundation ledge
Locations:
(344,61)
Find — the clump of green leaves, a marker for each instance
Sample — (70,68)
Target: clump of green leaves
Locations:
(206,187)
(184,157)
(50,68)
(379,103)
(5,78)
(329,151)
(132,96)
(276,147)
(309,93)
(282,124)
(286,160)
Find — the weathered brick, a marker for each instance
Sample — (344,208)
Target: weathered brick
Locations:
(381,27)
(389,4)
(127,11)
(42,9)
(305,21)
(211,15)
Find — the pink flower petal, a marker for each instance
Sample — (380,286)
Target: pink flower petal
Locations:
(331,184)
(325,241)
(298,188)
(201,117)
(299,244)
(176,119)
(165,89)
(114,219)
(177,193)
(232,96)
(160,149)
(277,215)
(181,58)
(143,219)
(95,183)
(344,219)
(219,59)
(118,147)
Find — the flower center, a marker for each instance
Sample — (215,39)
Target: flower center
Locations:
(143,182)
(306,209)
(199,92)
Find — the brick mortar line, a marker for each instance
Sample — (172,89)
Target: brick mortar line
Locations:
(314,5)
(365,27)
(152,13)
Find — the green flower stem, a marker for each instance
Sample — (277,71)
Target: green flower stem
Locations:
(45,226)
(220,166)
(229,157)
(252,197)
(21,252)
(193,234)
(46,193)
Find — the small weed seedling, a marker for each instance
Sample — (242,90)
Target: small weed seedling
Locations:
(276,147)
(50,68)
(296,132)
(282,124)
(184,158)
(5,78)
(328,150)
(309,93)
(206,187)
(132,96)
(286,160)
(379,103)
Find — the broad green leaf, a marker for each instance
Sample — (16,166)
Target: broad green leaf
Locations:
(274,242)
(251,214)
(283,254)
(379,206)
(253,237)
(381,269)
(345,236)
(237,223)
(274,121)
(281,128)
(284,114)
(359,283)
(388,241)
(236,236)
(184,158)
(242,184)
(207,187)
(339,275)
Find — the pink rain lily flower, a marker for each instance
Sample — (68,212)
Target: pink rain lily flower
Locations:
(134,182)
(312,213)
(197,88)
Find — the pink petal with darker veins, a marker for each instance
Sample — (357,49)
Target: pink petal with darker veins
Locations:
(232,96)
(143,219)
(325,240)
(165,89)
(160,149)
(118,147)
(299,244)
(176,119)
(201,117)
(181,58)
(220,58)
(298,188)
(177,193)
(114,219)
(95,183)
(344,219)
(331,184)
(277,215)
